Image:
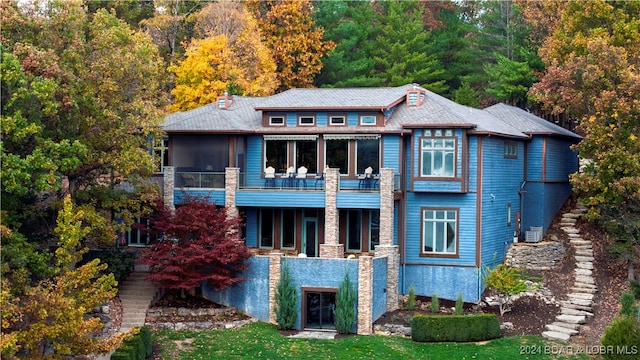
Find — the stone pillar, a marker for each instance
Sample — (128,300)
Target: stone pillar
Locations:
(275,273)
(386,247)
(331,247)
(365,295)
(169,184)
(231,178)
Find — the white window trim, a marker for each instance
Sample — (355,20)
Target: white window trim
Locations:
(313,120)
(344,120)
(444,149)
(271,123)
(363,123)
(424,220)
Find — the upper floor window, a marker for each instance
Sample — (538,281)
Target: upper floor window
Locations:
(337,154)
(439,232)
(160,154)
(306,120)
(367,155)
(276,154)
(276,120)
(307,155)
(367,120)
(510,150)
(337,120)
(438,152)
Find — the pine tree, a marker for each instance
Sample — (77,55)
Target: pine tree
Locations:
(286,299)
(345,312)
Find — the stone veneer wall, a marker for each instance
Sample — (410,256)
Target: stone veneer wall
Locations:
(386,247)
(365,295)
(169,186)
(275,271)
(232,175)
(331,247)
(535,256)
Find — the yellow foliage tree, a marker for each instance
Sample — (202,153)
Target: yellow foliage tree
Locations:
(49,320)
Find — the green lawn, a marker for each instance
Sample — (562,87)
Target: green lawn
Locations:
(263,341)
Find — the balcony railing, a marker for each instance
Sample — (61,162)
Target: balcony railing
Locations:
(310,182)
(200,179)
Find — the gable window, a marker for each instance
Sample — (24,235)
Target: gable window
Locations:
(510,150)
(266,228)
(367,155)
(337,120)
(307,155)
(438,154)
(439,232)
(288,228)
(367,120)
(306,120)
(276,154)
(337,154)
(276,120)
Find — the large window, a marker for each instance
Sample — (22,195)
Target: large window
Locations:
(200,152)
(276,153)
(438,154)
(354,230)
(266,228)
(337,155)
(160,154)
(374,229)
(288,228)
(307,155)
(368,155)
(439,232)
(360,226)
(139,233)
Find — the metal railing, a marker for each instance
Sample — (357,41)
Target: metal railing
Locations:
(281,182)
(200,179)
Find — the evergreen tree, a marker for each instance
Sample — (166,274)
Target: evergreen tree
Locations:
(286,301)
(345,312)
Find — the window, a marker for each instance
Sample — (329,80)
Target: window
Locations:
(288,228)
(354,230)
(508,214)
(337,154)
(367,120)
(374,229)
(306,120)
(337,120)
(276,153)
(266,228)
(276,120)
(438,154)
(307,155)
(439,232)
(139,233)
(367,154)
(510,150)
(160,154)
(413,98)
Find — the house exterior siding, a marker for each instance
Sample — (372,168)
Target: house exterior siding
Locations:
(372,226)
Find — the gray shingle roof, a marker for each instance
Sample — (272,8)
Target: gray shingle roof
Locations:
(343,98)
(527,122)
(240,117)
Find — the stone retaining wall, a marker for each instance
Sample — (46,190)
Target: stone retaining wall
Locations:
(536,256)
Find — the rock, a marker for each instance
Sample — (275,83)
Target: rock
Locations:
(554,335)
(571,319)
(581,296)
(584,279)
(569,311)
(561,329)
(585,272)
(506,325)
(567,325)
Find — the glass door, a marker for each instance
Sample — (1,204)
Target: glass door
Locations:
(319,308)
(310,237)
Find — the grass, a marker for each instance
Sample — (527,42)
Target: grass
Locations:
(263,341)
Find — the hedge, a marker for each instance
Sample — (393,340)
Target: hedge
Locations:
(136,347)
(459,328)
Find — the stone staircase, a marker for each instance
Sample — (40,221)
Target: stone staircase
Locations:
(578,307)
(136,295)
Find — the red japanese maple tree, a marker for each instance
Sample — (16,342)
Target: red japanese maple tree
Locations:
(199,242)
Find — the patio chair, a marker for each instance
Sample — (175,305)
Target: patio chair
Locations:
(365,179)
(301,177)
(319,180)
(287,178)
(270,177)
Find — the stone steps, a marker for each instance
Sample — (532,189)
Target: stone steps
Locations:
(578,306)
(136,295)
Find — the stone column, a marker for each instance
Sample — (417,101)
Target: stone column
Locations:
(365,295)
(231,178)
(331,247)
(169,184)
(386,247)
(275,273)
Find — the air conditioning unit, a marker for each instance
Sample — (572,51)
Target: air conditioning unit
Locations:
(534,235)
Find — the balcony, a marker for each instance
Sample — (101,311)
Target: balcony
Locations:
(199,179)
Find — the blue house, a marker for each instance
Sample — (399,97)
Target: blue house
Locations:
(398,187)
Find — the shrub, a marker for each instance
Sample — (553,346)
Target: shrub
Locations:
(135,347)
(119,262)
(627,300)
(345,311)
(459,305)
(145,335)
(286,301)
(623,332)
(507,282)
(411,299)
(439,328)
(435,303)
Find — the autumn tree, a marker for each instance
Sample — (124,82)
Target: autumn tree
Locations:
(296,43)
(593,59)
(49,319)
(200,243)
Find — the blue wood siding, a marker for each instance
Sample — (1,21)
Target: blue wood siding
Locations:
(215,196)
(541,201)
(396,222)
(473,164)
(437,186)
(379,287)
(251,227)
(534,159)
(466,206)
(250,296)
(561,160)
(502,178)
(305,199)
(391,152)
(358,200)
(255,161)
(445,281)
